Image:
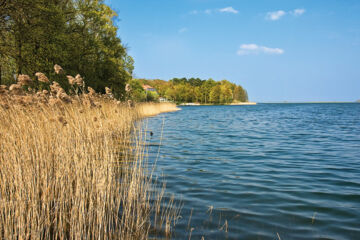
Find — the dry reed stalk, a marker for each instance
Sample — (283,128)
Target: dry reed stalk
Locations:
(72,171)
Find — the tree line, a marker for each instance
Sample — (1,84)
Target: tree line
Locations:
(183,90)
(79,35)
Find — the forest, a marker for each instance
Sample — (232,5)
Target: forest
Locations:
(192,90)
(81,37)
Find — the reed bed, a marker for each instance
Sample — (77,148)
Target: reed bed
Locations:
(152,109)
(74,167)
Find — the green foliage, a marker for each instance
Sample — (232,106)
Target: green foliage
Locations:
(152,96)
(215,94)
(226,95)
(137,93)
(79,35)
(196,90)
(7,70)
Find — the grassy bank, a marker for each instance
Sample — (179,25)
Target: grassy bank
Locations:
(75,168)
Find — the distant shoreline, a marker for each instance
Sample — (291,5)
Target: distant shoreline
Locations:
(256,103)
(243,103)
(210,104)
(301,102)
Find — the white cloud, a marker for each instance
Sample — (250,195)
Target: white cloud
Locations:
(272,50)
(211,11)
(182,30)
(229,10)
(247,49)
(298,12)
(273,16)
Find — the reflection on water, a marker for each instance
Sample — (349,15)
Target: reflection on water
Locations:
(289,171)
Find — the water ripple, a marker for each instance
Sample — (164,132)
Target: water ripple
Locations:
(263,172)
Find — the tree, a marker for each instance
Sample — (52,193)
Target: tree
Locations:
(195,82)
(79,35)
(137,93)
(240,94)
(152,96)
(183,90)
(206,88)
(171,94)
(215,94)
(197,94)
(226,94)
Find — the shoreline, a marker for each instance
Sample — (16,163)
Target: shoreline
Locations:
(153,109)
(303,102)
(228,104)
(243,103)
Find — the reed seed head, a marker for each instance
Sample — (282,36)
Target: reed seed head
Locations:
(91,91)
(41,77)
(59,91)
(15,87)
(3,89)
(24,79)
(55,87)
(58,69)
(78,80)
(71,80)
(64,97)
(108,91)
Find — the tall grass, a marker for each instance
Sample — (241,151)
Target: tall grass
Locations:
(72,169)
(151,109)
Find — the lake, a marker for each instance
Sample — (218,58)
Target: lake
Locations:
(269,171)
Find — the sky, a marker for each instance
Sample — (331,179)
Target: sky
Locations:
(278,50)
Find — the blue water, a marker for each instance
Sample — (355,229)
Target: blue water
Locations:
(270,171)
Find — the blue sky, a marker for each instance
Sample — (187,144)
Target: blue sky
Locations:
(278,50)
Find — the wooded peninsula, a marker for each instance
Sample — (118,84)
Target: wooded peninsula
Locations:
(192,90)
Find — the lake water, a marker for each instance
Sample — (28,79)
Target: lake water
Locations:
(270,171)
